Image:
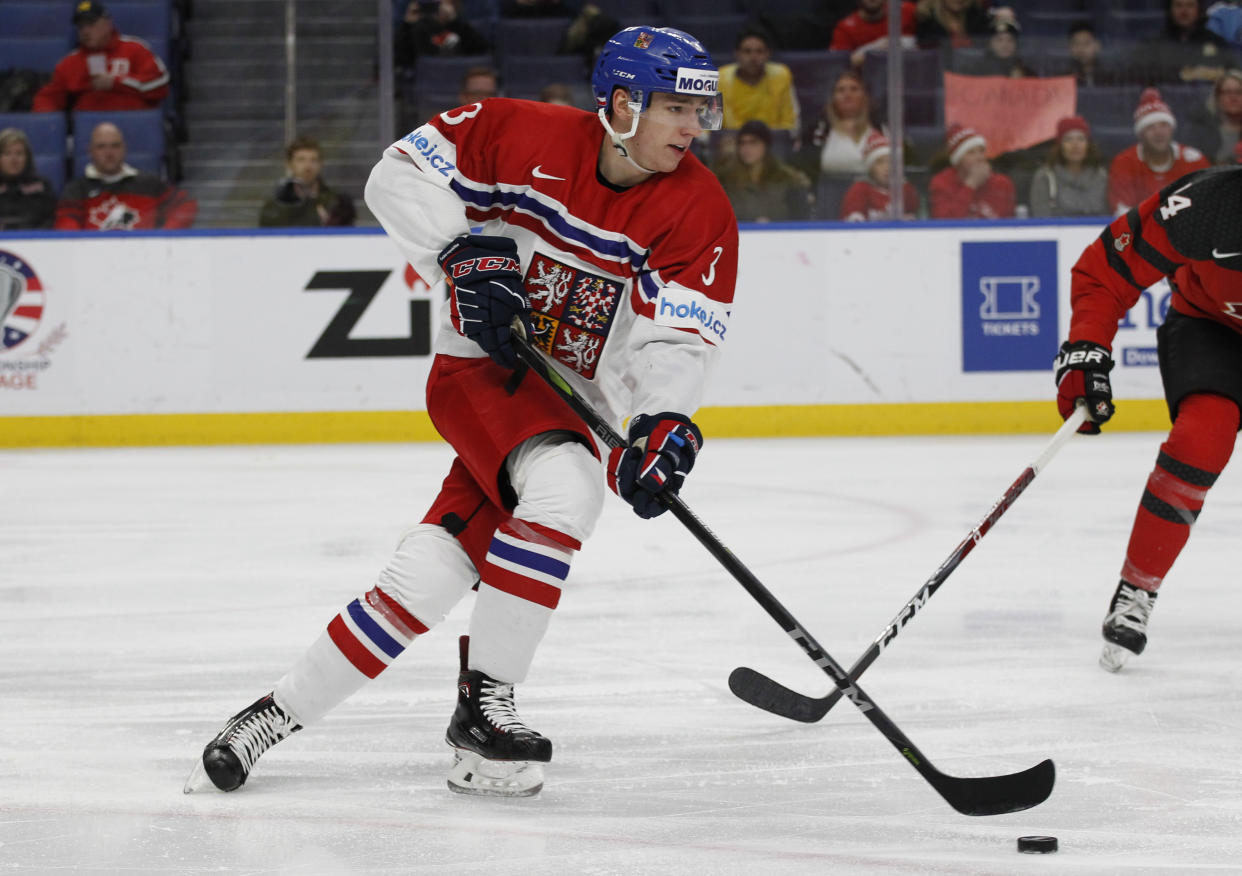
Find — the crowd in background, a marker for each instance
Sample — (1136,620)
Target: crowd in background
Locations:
(791,150)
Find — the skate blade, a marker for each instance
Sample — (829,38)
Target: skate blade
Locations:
(198,779)
(471,773)
(1113,657)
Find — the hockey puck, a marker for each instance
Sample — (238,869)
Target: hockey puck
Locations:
(1037,845)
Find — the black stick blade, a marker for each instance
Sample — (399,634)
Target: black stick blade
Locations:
(772,696)
(996,795)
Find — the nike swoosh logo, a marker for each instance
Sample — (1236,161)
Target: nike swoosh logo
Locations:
(538,173)
(1224,255)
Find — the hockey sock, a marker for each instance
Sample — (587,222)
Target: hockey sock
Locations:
(526,566)
(359,644)
(1190,460)
(427,575)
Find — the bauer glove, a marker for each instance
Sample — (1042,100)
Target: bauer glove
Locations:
(1082,373)
(660,454)
(486,292)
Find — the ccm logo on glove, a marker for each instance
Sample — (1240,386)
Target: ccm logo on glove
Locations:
(486,292)
(490,263)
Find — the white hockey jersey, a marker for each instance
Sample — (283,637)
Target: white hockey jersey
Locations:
(630,289)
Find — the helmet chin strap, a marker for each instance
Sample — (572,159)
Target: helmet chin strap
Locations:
(618,140)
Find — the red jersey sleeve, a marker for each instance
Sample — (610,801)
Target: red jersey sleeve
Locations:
(1132,253)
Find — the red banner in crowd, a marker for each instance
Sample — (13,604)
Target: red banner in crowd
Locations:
(1009,113)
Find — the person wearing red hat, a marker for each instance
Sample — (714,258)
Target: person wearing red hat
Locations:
(868,199)
(969,188)
(1155,160)
(1187,232)
(1072,181)
(107,71)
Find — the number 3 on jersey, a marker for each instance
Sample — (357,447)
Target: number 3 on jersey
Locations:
(1174,205)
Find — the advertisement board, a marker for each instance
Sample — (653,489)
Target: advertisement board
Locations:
(845,329)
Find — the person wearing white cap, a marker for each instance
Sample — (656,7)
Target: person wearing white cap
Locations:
(868,199)
(1155,160)
(969,188)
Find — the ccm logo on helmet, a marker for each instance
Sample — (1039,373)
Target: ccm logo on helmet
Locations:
(692,81)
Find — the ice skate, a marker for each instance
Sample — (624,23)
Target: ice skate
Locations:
(228,759)
(1125,627)
(494,752)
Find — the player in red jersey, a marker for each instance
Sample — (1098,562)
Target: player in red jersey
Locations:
(617,249)
(1190,233)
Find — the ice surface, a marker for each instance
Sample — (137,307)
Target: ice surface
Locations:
(148,594)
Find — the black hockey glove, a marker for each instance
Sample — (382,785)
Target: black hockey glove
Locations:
(486,292)
(660,454)
(1082,372)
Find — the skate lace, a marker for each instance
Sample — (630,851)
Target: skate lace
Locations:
(1132,610)
(496,702)
(257,733)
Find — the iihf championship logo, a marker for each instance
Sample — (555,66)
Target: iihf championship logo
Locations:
(23,302)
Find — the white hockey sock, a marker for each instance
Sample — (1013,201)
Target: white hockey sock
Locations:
(525,568)
(505,630)
(359,644)
(320,680)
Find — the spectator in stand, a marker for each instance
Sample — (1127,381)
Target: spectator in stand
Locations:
(968,188)
(843,127)
(1001,57)
(478,83)
(1072,181)
(1084,58)
(435,28)
(866,29)
(302,198)
(952,24)
(27,200)
(107,71)
(587,33)
(1154,161)
(761,187)
(756,87)
(535,9)
(558,93)
(1184,51)
(868,199)
(1225,20)
(113,196)
(1215,126)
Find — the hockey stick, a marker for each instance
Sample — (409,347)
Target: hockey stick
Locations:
(988,795)
(764,693)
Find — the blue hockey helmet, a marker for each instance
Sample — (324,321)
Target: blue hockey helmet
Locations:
(644,60)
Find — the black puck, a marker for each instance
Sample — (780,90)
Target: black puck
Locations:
(1037,845)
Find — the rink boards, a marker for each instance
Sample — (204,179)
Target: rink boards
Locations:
(209,337)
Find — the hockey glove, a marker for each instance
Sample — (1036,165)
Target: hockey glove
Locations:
(486,292)
(660,454)
(1082,373)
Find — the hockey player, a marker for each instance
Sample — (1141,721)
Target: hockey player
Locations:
(1189,232)
(609,242)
